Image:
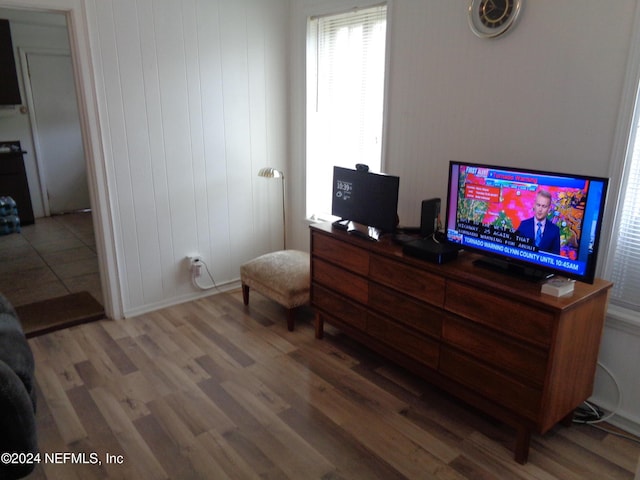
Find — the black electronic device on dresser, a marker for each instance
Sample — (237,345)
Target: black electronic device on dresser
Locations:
(431,249)
(430,217)
(432,245)
(13,180)
(366,202)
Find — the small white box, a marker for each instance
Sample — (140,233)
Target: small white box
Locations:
(558,286)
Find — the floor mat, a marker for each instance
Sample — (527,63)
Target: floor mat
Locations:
(57,313)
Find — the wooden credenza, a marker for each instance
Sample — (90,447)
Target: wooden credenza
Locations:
(494,341)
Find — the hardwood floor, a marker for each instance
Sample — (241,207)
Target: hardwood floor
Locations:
(210,390)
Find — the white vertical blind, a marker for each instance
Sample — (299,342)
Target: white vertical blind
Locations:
(345,93)
(625,270)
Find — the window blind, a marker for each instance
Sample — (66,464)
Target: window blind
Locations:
(625,270)
(345,93)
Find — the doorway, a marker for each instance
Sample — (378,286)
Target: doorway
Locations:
(55,125)
(55,140)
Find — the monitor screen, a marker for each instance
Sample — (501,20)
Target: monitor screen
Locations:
(367,198)
(549,222)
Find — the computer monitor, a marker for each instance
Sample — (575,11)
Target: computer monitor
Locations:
(367,198)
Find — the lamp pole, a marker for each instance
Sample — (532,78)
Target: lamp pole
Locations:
(271,172)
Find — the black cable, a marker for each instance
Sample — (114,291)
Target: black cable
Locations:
(590,414)
(587,413)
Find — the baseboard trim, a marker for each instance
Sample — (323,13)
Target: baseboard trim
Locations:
(224,287)
(626,423)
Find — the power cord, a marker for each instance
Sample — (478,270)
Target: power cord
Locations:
(195,274)
(588,413)
(592,415)
(439,235)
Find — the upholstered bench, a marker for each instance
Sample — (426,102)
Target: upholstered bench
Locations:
(282,276)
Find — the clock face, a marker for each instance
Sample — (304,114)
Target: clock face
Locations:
(490,18)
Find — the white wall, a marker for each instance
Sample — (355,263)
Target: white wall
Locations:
(192,103)
(546,95)
(617,387)
(183,101)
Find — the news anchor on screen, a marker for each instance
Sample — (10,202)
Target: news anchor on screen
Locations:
(545,234)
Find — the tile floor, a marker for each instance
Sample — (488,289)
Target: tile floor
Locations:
(53,257)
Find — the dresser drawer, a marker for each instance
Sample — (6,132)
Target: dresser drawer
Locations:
(350,285)
(404,310)
(408,280)
(513,318)
(505,353)
(504,390)
(408,342)
(343,254)
(339,307)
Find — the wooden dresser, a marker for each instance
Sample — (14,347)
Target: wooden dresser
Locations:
(492,340)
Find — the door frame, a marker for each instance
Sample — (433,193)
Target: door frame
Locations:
(78,13)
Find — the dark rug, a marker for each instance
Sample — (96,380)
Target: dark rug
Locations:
(57,313)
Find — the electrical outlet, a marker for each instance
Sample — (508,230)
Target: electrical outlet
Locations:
(195,265)
(194,259)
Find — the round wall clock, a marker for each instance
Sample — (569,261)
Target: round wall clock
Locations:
(490,18)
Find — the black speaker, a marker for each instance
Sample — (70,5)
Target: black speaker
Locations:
(429,217)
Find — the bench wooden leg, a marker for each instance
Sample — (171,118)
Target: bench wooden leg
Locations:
(245,294)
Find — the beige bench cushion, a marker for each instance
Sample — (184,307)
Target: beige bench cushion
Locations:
(282,276)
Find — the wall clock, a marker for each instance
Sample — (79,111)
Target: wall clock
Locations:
(490,18)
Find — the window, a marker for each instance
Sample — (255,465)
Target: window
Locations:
(625,259)
(345,96)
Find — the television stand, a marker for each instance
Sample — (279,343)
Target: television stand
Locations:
(512,269)
(493,341)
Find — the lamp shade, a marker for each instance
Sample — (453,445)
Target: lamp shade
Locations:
(270,172)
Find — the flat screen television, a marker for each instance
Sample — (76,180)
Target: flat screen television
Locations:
(367,198)
(529,222)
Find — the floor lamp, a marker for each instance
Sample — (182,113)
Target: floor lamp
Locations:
(270,172)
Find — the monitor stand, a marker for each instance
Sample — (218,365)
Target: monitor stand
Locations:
(341,224)
(513,269)
(364,231)
(358,229)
